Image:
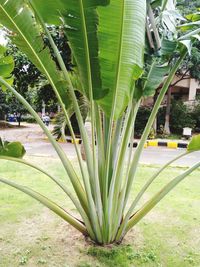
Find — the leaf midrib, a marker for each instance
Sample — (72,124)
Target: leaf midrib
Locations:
(111,192)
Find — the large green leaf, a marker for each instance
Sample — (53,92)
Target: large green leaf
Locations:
(189,26)
(26,34)
(150,81)
(124,36)
(158,67)
(50,10)
(6,67)
(121,45)
(194,144)
(14,149)
(168,48)
(81,21)
(2,51)
(194,16)
(155,77)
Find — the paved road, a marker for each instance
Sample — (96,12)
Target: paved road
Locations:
(150,155)
(161,156)
(36,145)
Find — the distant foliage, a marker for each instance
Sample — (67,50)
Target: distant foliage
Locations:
(3,105)
(194,64)
(141,120)
(181,116)
(29,81)
(188,6)
(196,116)
(191,63)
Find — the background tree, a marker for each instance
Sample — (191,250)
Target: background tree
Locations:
(3,105)
(188,6)
(26,79)
(29,81)
(190,68)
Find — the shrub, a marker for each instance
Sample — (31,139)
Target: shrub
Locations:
(196,116)
(141,120)
(181,116)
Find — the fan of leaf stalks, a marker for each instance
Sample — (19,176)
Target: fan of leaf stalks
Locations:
(123,51)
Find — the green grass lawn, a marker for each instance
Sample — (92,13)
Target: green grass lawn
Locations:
(31,235)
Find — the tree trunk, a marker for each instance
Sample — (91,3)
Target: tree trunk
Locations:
(167,115)
(155,125)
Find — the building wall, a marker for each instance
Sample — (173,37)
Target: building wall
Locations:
(191,84)
(186,90)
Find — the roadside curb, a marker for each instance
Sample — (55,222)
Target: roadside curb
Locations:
(70,140)
(168,144)
(149,143)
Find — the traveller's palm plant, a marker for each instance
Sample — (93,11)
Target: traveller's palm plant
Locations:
(107,39)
